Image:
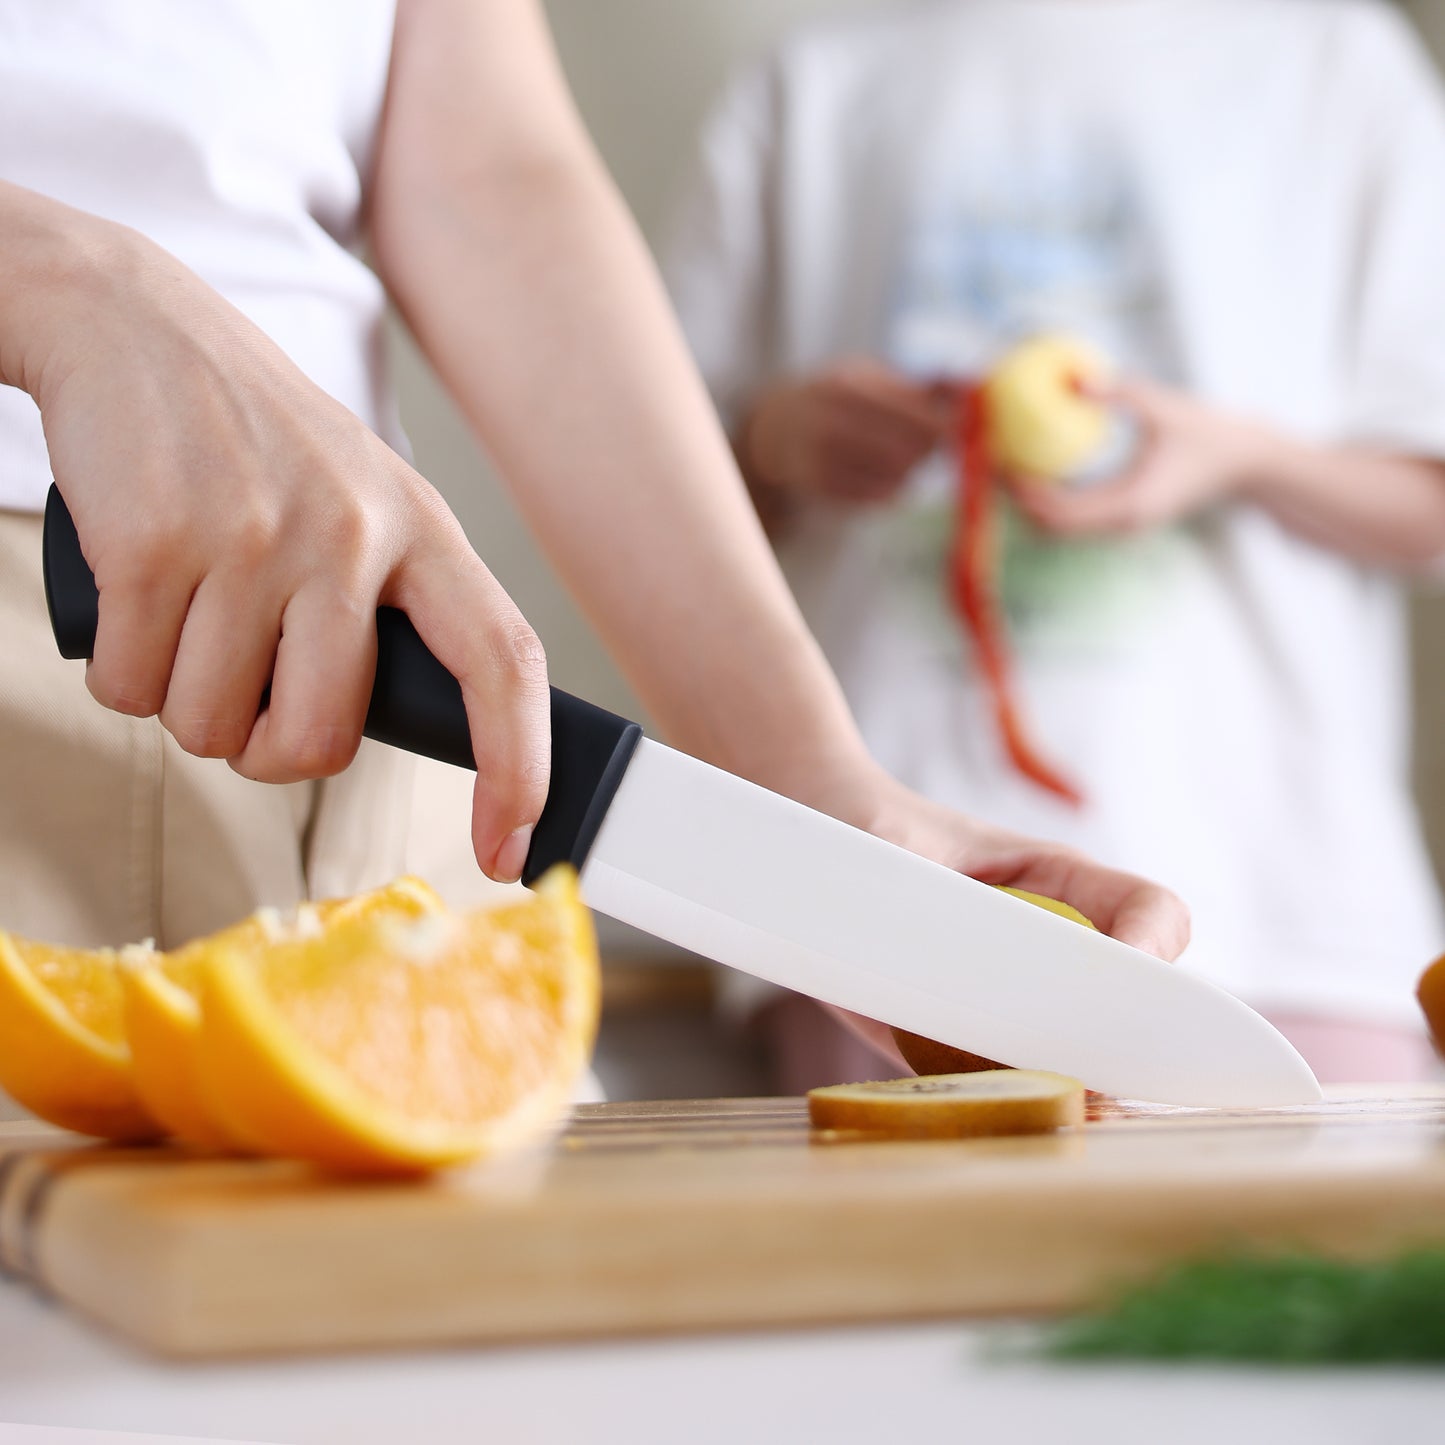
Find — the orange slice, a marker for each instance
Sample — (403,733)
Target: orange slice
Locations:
(952,1106)
(928,1056)
(394,1045)
(162,998)
(63,1051)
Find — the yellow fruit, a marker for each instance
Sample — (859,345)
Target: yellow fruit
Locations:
(162,999)
(952,1106)
(63,1052)
(163,1025)
(1051,905)
(408,896)
(1039,424)
(928,1056)
(394,1045)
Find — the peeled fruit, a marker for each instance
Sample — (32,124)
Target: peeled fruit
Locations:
(928,1056)
(952,1106)
(390,1045)
(1431,994)
(1039,423)
(63,1050)
(162,998)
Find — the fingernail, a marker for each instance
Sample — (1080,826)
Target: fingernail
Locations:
(512,855)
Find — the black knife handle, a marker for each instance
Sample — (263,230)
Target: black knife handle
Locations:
(416,704)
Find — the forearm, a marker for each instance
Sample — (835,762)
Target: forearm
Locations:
(536,301)
(1373,506)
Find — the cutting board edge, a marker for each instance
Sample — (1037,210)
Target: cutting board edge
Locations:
(951,1260)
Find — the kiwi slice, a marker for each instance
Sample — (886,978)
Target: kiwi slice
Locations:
(952,1106)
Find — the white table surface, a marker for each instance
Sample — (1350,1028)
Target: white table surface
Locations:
(919,1383)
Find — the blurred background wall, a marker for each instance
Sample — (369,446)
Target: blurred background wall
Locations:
(644,72)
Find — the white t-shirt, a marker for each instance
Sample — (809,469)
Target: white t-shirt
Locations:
(1241,197)
(238,135)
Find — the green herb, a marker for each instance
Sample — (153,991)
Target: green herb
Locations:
(1290,1310)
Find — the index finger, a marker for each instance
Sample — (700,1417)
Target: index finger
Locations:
(474,630)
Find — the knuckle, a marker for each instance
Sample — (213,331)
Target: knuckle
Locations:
(428,508)
(319,750)
(533,776)
(207,736)
(347,528)
(518,654)
(156,541)
(252,538)
(125,695)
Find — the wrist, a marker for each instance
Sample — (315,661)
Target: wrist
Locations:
(57,266)
(1262,460)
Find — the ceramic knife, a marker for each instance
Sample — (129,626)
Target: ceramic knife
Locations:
(715,864)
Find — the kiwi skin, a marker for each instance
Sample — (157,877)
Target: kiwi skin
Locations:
(928,1056)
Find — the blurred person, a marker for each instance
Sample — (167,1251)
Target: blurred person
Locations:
(193,348)
(1241,204)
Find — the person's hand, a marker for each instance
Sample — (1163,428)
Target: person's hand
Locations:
(1189,457)
(243,527)
(1120,904)
(852,432)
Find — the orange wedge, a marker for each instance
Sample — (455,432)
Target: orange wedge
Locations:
(408,896)
(392,1046)
(162,998)
(63,1051)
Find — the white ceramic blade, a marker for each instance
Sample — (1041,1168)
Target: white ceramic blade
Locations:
(717,865)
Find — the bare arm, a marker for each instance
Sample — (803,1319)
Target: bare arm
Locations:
(1374,506)
(243,525)
(519,270)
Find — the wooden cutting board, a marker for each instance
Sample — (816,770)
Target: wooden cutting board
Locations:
(725,1213)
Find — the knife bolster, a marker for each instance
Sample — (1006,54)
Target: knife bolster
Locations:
(417,704)
(591,749)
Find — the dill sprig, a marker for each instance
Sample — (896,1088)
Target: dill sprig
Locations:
(1297,1309)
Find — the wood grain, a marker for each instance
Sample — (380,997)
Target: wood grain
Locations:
(692,1215)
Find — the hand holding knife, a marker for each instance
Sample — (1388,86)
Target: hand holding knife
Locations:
(715,864)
